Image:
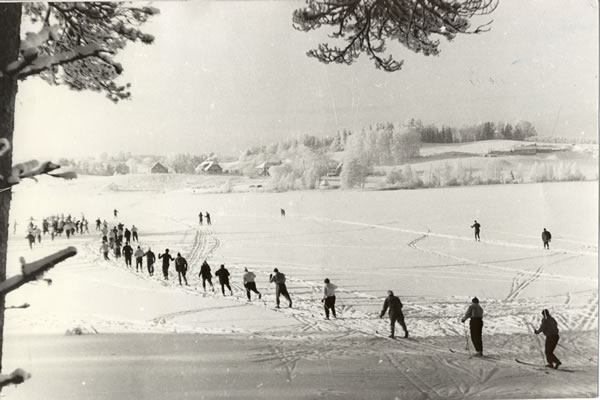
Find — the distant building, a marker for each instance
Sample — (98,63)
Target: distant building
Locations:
(158,168)
(209,167)
(263,169)
(335,171)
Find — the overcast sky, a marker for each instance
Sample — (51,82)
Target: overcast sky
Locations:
(223,76)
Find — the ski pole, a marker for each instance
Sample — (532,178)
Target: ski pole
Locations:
(537,339)
(467,347)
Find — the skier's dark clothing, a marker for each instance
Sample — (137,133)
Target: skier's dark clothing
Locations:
(206,275)
(475,313)
(280,288)
(181,267)
(208,219)
(150,258)
(166,259)
(200,218)
(395,306)
(98,225)
(127,235)
(549,328)
(127,253)
(546,237)
(223,276)
(477,227)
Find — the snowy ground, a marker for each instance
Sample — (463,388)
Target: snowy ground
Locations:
(417,243)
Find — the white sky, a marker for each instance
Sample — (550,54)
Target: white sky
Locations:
(223,76)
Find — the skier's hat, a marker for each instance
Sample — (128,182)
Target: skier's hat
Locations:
(475,300)
(275,270)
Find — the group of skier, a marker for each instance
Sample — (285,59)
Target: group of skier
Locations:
(546,235)
(205,217)
(54,225)
(392,304)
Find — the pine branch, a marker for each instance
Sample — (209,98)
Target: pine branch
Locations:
(16,377)
(33,271)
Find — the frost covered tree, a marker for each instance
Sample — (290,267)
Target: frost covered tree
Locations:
(70,44)
(357,164)
(367,26)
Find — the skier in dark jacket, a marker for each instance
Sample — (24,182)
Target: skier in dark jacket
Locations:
(395,305)
(546,237)
(223,276)
(206,275)
(549,328)
(127,253)
(127,234)
(166,260)
(181,267)
(208,222)
(200,218)
(475,313)
(477,227)
(150,259)
(280,288)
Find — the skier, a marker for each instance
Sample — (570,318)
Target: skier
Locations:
(249,284)
(117,249)
(139,258)
(166,259)
(181,267)
(127,235)
(282,212)
(223,276)
(477,226)
(150,258)
(475,312)
(329,298)
(134,234)
(280,289)
(208,219)
(98,224)
(38,234)
(115,212)
(127,253)
(30,238)
(395,305)
(206,275)
(549,328)
(200,217)
(546,237)
(104,249)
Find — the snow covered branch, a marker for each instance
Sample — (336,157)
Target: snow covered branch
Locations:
(32,168)
(33,271)
(16,377)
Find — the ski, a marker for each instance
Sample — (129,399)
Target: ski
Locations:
(542,368)
(472,356)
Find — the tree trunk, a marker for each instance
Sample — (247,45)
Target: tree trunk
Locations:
(10,24)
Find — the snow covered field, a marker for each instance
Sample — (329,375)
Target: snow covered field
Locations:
(417,243)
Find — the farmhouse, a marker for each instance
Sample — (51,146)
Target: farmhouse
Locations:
(209,167)
(263,169)
(158,168)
